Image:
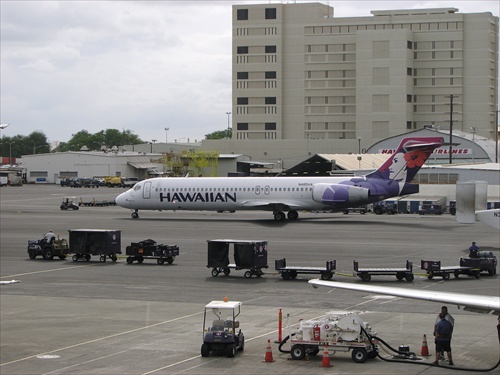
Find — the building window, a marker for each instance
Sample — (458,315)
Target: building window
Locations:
(270,75)
(409,44)
(270,100)
(270,49)
(270,13)
(408,98)
(242,50)
(242,75)
(409,72)
(408,125)
(270,126)
(242,101)
(242,14)
(242,126)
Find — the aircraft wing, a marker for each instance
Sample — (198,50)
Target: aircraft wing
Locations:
(470,302)
(489,217)
(263,204)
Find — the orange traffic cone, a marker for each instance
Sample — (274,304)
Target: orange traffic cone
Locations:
(269,353)
(425,349)
(325,362)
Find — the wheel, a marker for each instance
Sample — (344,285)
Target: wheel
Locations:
(285,275)
(298,352)
(372,354)
(140,259)
(135,215)
(293,274)
(47,254)
(242,345)
(293,215)
(170,260)
(446,276)
(130,260)
(113,257)
(231,351)
(430,275)
(359,355)
(456,274)
(226,271)
(313,352)
(205,350)
(326,275)
(365,277)
(279,216)
(32,254)
(477,274)
(87,257)
(75,258)
(248,274)
(160,260)
(215,272)
(400,276)
(409,277)
(102,258)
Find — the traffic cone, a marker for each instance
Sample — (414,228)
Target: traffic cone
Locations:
(425,349)
(325,362)
(269,353)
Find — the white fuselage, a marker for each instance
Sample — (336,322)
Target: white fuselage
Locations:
(225,193)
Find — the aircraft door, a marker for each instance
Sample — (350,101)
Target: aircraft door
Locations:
(267,189)
(146,191)
(257,190)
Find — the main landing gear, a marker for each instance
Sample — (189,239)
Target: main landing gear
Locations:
(280,215)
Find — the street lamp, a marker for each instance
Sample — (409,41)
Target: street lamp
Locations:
(359,145)
(228,113)
(10,152)
(473,128)
(166,134)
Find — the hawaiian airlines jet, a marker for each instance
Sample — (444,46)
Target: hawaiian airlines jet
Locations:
(286,194)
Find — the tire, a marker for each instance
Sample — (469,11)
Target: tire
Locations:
(113,257)
(32,254)
(205,350)
(226,271)
(170,260)
(279,216)
(231,351)
(400,276)
(130,260)
(140,259)
(373,354)
(135,215)
(102,258)
(293,215)
(298,352)
(326,275)
(160,261)
(365,277)
(293,274)
(409,277)
(456,274)
(446,276)
(47,254)
(87,257)
(248,274)
(215,272)
(285,275)
(75,258)
(359,355)
(242,345)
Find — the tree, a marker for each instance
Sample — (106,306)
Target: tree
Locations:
(220,134)
(18,145)
(95,142)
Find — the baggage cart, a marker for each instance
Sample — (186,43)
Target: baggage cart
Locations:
(434,268)
(291,272)
(149,249)
(100,242)
(248,254)
(400,273)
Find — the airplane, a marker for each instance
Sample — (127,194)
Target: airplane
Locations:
(290,194)
(489,217)
(470,302)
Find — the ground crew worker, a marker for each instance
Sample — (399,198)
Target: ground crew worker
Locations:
(442,334)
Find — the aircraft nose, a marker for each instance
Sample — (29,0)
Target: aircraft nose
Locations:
(122,200)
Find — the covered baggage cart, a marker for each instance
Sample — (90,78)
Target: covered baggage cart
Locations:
(149,249)
(248,254)
(100,242)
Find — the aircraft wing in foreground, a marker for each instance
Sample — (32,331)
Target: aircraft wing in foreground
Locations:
(471,302)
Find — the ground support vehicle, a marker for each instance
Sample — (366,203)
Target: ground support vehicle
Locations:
(249,255)
(219,334)
(57,248)
(362,210)
(340,332)
(69,203)
(291,272)
(100,242)
(94,203)
(149,249)
(484,260)
(433,268)
(400,273)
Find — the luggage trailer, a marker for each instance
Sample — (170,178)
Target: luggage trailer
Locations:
(433,268)
(365,274)
(291,272)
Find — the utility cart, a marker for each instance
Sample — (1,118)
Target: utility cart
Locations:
(339,332)
(100,242)
(291,272)
(365,274)
(249,255)
(221,331)
(149,249)
(434,268)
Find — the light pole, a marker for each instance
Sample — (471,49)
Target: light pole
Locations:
(166,134)
(10,152)
(359,145)
(451,123)
(228,114)
(473,128)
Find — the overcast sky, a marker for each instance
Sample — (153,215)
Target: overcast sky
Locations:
(136,65)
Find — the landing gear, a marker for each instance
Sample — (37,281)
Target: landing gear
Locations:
(293,215)
(280,215)
(135,214)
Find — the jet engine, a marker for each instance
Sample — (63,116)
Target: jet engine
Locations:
(340,194)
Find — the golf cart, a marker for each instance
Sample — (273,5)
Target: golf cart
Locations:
(219,334)
(69,203)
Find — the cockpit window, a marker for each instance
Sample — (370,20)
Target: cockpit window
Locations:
(137,187)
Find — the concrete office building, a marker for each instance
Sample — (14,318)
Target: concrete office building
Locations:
(301,74)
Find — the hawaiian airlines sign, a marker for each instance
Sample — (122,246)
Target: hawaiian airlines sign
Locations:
(439,151)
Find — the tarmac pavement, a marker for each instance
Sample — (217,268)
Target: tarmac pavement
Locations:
(65,317)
